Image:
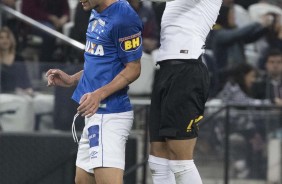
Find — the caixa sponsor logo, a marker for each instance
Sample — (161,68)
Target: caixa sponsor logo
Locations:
(94,49)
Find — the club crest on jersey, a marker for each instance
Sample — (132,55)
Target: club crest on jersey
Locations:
(94,49)
(131,43)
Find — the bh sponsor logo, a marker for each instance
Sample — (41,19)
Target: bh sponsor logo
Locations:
(131,43)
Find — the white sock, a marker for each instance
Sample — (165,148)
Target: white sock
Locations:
(160,170)
(185,172)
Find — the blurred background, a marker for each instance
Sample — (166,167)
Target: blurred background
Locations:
(240,139)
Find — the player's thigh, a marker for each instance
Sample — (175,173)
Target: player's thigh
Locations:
(83,177)
(108,175)
(181,149)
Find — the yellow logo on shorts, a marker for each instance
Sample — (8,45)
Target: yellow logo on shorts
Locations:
(131,43)
(193,121)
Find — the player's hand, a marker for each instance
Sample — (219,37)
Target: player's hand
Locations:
(89,104)
(57,77)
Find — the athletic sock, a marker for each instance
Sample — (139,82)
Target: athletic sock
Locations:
(160,170)
(185,172)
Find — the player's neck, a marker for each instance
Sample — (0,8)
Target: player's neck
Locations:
(104,5)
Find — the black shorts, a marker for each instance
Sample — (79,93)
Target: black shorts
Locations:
(178,99)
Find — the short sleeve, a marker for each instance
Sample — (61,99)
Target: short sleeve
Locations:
(128,40)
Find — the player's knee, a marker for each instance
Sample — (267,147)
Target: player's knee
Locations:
(179,154)
(173,155)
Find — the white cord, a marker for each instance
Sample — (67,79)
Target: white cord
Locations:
(73,128)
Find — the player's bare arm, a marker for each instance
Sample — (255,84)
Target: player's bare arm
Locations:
(57,77)
(90,102)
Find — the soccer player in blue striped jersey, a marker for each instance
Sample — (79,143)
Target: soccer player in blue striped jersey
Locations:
(112,61)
